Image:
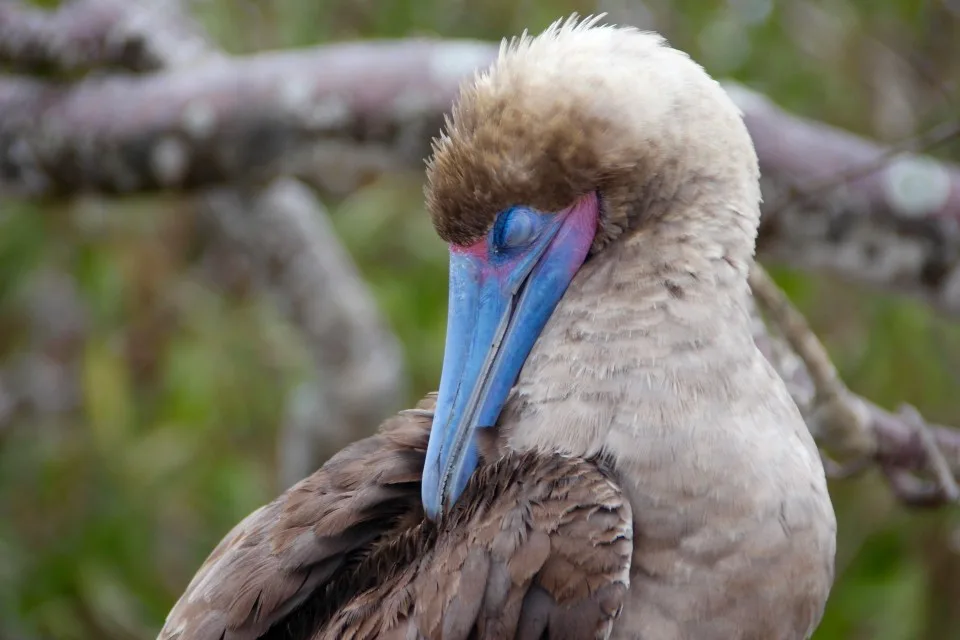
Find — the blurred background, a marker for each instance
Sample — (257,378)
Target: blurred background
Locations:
(144,382)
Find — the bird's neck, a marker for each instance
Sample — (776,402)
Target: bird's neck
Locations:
(652,333)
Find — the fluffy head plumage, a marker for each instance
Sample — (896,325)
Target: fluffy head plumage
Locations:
(584,107)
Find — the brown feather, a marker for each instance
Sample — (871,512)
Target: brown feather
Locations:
(529,135)
(275,559)
(537,542)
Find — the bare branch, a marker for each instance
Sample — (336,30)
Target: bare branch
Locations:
(894,225)
(136,133)
(357,360)
(937,461)
(837,202)
(249,119)
(90,34)
(901,444)
(838,418)
(226,121)
(358,365)
(44,376)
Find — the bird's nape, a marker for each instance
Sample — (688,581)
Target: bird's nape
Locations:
(502,291)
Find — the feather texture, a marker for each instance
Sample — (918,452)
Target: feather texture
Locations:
(538,544)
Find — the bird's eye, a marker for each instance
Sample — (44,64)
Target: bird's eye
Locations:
(516,228)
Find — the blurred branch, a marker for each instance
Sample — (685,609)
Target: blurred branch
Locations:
(891,221)
(357,360)
(180,128)
(94,34)
(234,120)
(901,444)
(870,214)
(44,377)
(893,224)
(358,364)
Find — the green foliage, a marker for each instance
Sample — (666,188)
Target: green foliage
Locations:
(109,508)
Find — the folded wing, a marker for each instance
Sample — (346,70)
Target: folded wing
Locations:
(537,544)
(540,546)
(271,563)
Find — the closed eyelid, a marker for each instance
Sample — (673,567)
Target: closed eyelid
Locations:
(521,222)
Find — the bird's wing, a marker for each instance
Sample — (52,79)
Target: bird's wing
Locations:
(278,556)
(541,544)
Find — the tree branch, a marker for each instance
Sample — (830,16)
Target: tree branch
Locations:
(233,120)
(893,224)
(832,201)
(357,360)
(140,145)
(837,202)
(95,34)
(901,444)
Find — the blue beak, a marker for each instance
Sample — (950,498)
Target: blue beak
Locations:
(500,298)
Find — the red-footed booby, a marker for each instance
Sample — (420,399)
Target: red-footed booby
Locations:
(609,454)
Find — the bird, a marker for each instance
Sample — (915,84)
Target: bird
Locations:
(608,454)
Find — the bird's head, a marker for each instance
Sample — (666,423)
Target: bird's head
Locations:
(571,140)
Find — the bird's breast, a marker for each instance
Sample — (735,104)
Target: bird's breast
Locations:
(724,511)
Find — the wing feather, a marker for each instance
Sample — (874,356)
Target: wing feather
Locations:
(282,553)
(541,544)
